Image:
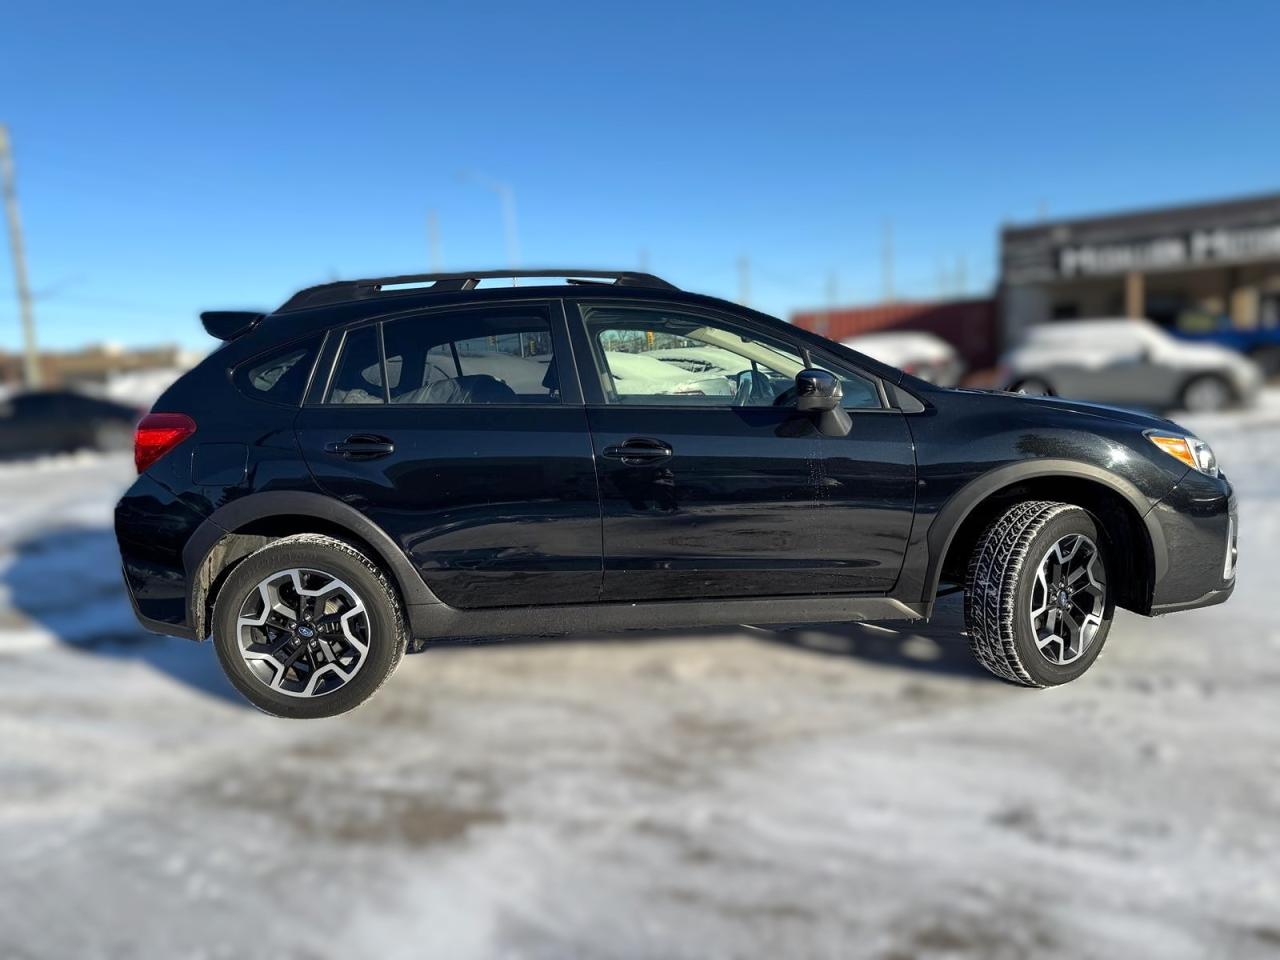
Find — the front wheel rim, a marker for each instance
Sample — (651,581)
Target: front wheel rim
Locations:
(1068,599)
(302,632)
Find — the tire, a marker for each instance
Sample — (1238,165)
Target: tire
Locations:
(1003,589)
(365,609)
(1207,394)
(1033,387)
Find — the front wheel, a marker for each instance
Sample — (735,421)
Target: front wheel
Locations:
(1037,603)
(308,627)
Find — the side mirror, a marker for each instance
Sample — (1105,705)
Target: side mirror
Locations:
(817,390)
(818,393)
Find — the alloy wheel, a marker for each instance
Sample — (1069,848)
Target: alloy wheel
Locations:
(303,632)
(1068,599)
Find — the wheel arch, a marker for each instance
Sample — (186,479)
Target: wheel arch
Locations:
(240,527)
(1122,511)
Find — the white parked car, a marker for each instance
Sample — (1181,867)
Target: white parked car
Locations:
(920,354)
(1130,363)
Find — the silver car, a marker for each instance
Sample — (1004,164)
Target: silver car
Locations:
(1131,363)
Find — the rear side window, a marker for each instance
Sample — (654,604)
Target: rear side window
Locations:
(473,356)
(358,378)
(279,377)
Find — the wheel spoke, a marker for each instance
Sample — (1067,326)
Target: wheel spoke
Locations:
(303,632)
(1068,599)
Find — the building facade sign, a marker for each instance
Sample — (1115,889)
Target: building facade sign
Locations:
(1192,249)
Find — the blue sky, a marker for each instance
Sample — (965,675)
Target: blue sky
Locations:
(177,157)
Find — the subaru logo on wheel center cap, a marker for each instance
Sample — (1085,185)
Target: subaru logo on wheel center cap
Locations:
(306,631)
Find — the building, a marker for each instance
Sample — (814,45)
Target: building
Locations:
(1188,267)
(969,325)
(94,365)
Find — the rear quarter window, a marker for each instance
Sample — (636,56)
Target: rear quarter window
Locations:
(279,376)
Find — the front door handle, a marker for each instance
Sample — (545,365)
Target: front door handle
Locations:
(640,450)
(361,447)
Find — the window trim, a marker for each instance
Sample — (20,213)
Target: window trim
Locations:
(582,331)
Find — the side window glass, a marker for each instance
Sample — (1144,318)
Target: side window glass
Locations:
(473,356)
(359,375)
(657,357)
(281,376)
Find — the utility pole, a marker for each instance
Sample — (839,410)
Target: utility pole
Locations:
(433,240)
(744,280)
(886,261)
(962,275)
(31,358)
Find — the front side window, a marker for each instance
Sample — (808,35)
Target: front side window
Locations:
(651,356)
(500,356)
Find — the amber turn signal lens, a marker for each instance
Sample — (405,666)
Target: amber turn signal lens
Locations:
(1176,447)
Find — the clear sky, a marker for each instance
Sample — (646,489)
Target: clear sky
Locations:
(173,157)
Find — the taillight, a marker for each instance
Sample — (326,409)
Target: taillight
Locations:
(157,434)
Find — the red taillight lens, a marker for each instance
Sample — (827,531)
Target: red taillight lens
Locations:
(157,434)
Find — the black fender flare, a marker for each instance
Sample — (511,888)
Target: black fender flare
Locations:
(261,506)
(955,511)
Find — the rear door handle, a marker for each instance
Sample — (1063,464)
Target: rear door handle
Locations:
(640,450)
(361,447)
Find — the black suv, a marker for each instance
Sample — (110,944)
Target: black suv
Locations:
(383,463)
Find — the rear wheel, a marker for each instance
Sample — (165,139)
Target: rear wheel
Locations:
(308,627)
(1037,605)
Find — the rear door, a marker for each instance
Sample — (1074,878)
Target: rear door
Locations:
(461,432)
(711,484)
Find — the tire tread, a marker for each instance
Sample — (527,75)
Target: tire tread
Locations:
(994,570)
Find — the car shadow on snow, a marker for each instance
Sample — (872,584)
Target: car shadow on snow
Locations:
(68,583)
(938,646)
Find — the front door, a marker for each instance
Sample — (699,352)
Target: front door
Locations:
(456,432)
(712,485)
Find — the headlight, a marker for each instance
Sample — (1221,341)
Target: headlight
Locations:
(1192,451)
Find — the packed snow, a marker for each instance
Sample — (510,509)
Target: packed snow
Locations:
(838,790)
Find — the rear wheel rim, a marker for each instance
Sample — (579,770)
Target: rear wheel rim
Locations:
(1068,599)
(302,632)
(1207,395)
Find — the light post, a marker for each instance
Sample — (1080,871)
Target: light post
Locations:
(507,197)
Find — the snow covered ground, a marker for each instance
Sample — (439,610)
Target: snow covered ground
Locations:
(849,790)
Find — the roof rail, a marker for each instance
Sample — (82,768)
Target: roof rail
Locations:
(345,290)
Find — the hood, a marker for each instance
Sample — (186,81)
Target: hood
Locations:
(1083,408)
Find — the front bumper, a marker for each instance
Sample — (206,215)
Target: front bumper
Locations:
(1200,524)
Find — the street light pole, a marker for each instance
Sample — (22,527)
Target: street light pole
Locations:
(31,358)
(507,197)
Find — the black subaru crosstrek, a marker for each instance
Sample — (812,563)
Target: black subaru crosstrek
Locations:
(394,462)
